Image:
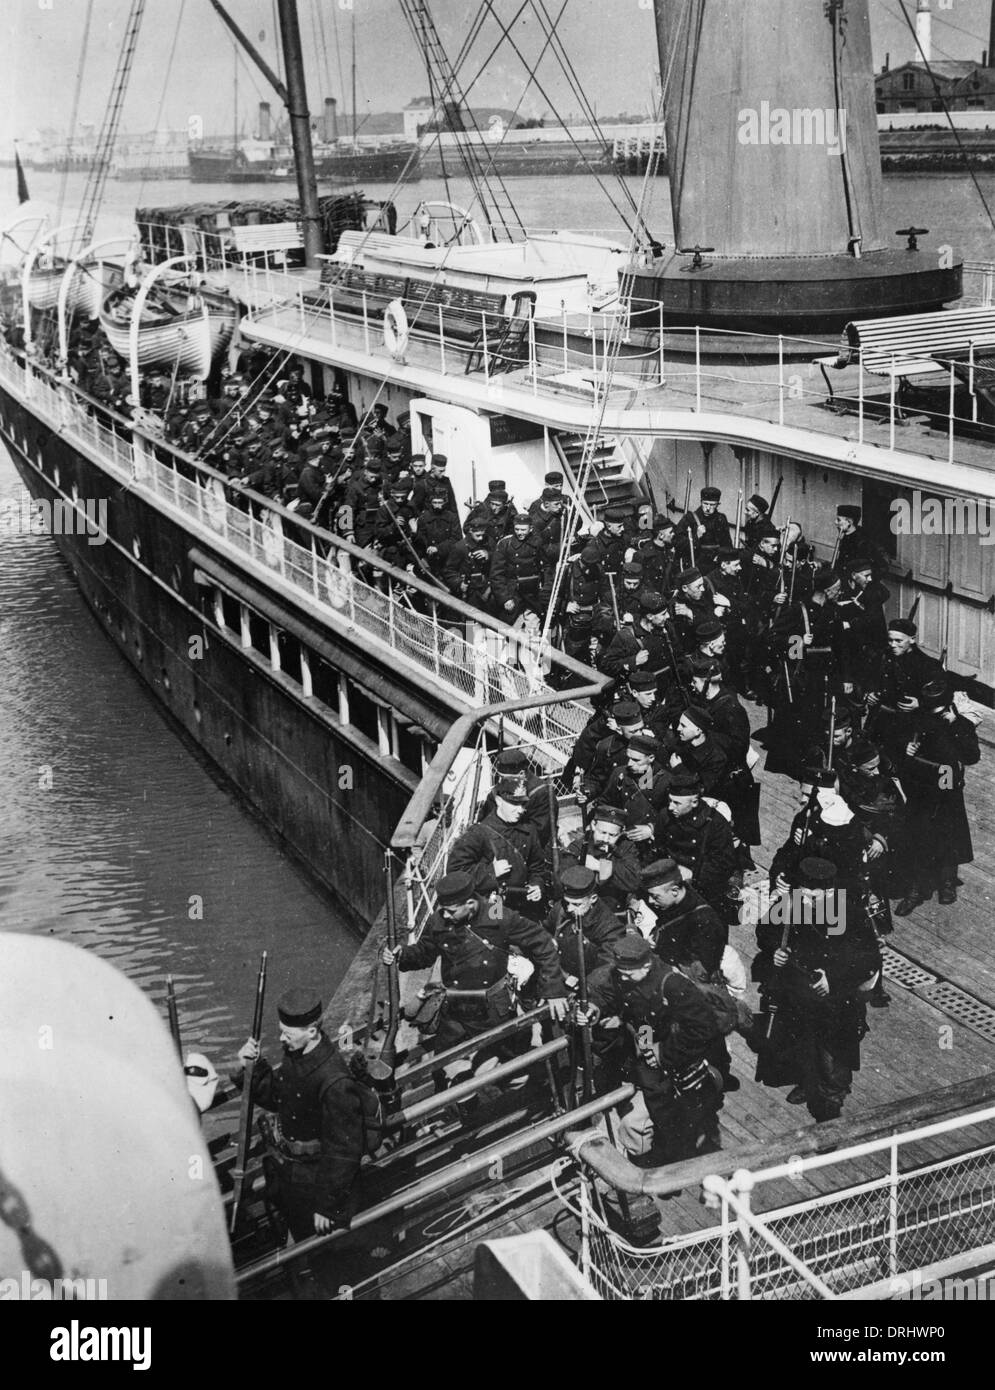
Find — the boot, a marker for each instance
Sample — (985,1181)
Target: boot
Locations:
(909,904)
(796,1096)
(947,893)
(879,998)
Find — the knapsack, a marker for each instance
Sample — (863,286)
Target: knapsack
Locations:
(372,1105)
(730,1015)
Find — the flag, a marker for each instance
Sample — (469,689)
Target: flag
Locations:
(23,195)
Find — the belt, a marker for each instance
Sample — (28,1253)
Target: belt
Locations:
(297,1149)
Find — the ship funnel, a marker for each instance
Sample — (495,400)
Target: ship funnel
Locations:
(330,129)
(774,162)
(924,33)
(265,122)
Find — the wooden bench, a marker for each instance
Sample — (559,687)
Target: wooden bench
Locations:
(909,345)
(267,236)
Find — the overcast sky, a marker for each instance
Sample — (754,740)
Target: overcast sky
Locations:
(611,43)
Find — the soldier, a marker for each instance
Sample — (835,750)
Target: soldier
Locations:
(669,1029)
(693,747)
(863,626)
(467,569)
(613,541)
(814,979)
(552,483)
(503,851)
(513,763)
(321,1112)
(852,542)
(894,700)
(705,531)
(496,511)
(437,479)
(420,483)
(944,744)
(473,936)
(692,606)
(517,572)
(436,531)
(393,528)
(640,784)
(546,516)
(601,746)
(656,554)
(649,646)
(582,920)
(612,857)
(700,839)
(628,593)
(755,520)
(362,498)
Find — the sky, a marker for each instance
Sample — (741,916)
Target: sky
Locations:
(610,42)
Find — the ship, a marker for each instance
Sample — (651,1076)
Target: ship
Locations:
(815,358)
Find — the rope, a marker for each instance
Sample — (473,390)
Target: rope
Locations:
(75,111)
(165,86)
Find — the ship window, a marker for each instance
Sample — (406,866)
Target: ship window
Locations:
(258,633)
(364,715)
(290,656)
(409,748)
(230,612)
(325,683)
(877,517)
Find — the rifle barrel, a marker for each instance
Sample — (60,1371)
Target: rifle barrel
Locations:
(174,1016)
(245,1112)
(587,1051)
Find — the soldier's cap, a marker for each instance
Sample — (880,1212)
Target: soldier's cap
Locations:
(617,513)
(298,1008)
(511,760)
(439,460)
(454,888)
(661,873)
(437,494)
(688,576)
(590,555)
(496,485)
(631,952)
(711,494)
(522,519)
(848,510)
(761,503)
(552,494)
(497,495)
(701,718)
(553,480)
(379,408)
(903,625)
(705,666)
(398,489)
(685,783)
(645,742)
(662,522)
(824,580)
(863,752)
(335,455)
(372,466)
(768,532)
(935,695)
(608,815)
(511,789)
(632,569)
(844,719)
(652,602)
(577,881)
(375,446)
(815,873)
(642,680)
(476,523)
(855,566)
(417,458)
(728,553)
(626,713)
(708,631)
(394,448)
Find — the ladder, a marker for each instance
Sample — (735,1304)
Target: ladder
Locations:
(106,140)
(449,100)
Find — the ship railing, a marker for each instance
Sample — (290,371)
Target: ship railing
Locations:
(903,1210)
(475,661)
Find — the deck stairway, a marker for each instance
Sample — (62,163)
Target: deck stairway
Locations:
(613,478)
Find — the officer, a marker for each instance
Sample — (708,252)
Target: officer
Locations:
(472,935)
(319,1134)
(668,1028)
(817,963)
(943,745)
(582,918)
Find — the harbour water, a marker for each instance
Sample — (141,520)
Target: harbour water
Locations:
(117,836)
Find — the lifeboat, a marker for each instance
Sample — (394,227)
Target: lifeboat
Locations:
(90,287)
(178,328)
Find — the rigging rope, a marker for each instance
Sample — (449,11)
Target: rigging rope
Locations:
(165,87)
(75,109)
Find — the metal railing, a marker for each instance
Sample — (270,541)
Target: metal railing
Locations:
(474,660)
(868,1236)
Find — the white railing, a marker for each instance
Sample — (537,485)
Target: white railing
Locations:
(476,662)
(864,1237)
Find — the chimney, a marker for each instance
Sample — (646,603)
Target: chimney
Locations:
(991,38)
(331,125)
(887,63)
(984,57)
(265,127)
(924,33)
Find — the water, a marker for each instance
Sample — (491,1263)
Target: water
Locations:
(133,826)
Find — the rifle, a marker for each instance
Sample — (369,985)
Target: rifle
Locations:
(174,1017)
(554,847)
(781,554)
(611,587)
(381,1068)
(675,667)
(794,568)
(244,1139)
(739,518)
(772,1005)
(407,541)
(587,1052)
(836,550)
(915,608)
(832,734)
(773,500)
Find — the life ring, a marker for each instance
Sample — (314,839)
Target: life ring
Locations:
(272,529)
(215,504)
(395,329)
(336,584)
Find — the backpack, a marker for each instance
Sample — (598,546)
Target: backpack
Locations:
(370,1102)
(730,1015)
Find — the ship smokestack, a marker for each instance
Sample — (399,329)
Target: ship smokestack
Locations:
(924,33)
(265,126)
(330,130)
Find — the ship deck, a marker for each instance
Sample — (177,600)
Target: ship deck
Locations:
(915,1047)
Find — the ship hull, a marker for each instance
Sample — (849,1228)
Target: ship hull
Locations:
(324,790)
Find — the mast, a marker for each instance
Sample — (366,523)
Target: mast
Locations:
(234,138)
(300,130)
(354,79)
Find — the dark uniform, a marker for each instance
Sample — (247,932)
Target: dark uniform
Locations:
(599,930)
(467,571)
(517,573)
(495,839)
(702,841)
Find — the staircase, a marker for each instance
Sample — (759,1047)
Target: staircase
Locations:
(612,479)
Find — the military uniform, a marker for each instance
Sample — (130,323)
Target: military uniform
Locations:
(701,841)
(467,572)
(599,929)
(517,573)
